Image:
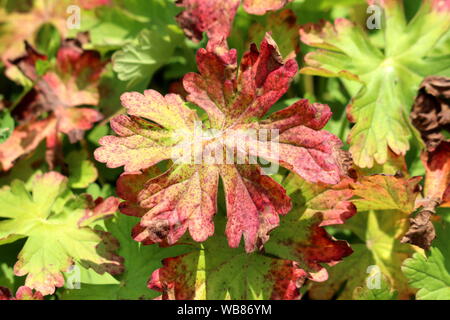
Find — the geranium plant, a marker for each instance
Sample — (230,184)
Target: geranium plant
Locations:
(199,149)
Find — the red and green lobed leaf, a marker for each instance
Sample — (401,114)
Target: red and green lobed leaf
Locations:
(23,25)
(234,232)
(24,139)
(212,270)
(297,250)
(283,28)
(70,83)
(216,17)
(263,6)
(384,203)
(213,17)
(18,26)
(235,99)
(437,178)
(23,293)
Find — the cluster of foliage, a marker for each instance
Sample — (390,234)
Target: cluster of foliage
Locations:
(94,205)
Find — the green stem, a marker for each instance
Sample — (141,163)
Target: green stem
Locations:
(308,84)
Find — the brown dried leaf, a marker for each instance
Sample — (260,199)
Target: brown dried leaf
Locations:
(421,231)
(436,193)
(431,111)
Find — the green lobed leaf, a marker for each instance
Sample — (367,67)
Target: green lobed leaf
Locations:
(138,61)
(383,292)
(54,221)
(389,78)
(140,262)
(82,170)
(430,273)
(48,40)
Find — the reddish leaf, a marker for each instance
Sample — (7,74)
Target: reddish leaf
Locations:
(296,251)
(129,185)
(213,17)
(437,179)
(23,293)
(24,139)
(22,26)
(216,17)
(179,279)
(228,96)
(92,4)
(75,121)
(180,199)
(254,203)
(72,82)
(234,99)
(284,30)
(262,6)
(5,294)
(184,197)
(332,201)
(99,209)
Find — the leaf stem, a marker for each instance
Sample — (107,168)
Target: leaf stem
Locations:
(308,85)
